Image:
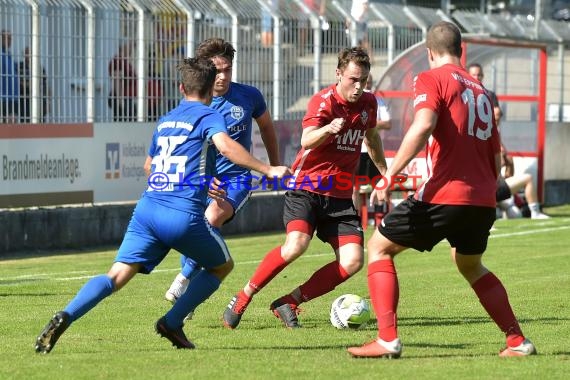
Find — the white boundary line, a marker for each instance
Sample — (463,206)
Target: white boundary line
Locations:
(43,275)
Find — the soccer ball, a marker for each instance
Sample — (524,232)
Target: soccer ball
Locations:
(350,311)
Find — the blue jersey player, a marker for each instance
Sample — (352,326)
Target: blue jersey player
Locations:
(170,214)
(239,104)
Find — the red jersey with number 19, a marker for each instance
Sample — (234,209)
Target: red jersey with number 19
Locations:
(461,151)
(328,168)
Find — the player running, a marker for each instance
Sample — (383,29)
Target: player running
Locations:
(239,104)
(170,214)
(338,119)
(454,122)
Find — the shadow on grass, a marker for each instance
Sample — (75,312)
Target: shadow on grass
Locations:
(454,321)
(28,294)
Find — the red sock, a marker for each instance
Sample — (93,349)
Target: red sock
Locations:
(384,293)
(493,297)
(323,281)
(269,267)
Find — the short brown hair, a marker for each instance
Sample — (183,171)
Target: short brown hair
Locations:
(197,75)
(357,55)
(444,38)
(216,47)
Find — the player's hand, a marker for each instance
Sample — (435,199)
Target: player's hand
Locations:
(378,195)
(278,172)
(215,189)
(383,189)
(335,126)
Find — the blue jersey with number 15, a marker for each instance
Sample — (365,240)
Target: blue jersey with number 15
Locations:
(183,157)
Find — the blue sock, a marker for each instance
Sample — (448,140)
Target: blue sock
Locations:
(199,290)
(189,269)
(93,292)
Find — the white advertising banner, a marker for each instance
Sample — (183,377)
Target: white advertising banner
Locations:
(46,164)
(120,153)
(55,164)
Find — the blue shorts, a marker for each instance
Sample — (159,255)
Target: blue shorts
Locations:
(155,229)
(238,190)
(266,22)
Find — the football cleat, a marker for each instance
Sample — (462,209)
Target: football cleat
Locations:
(378,349)
(539,215)
(234,311)
(177,288)
(526,348)
(175,336)
(286,312)
(51,333)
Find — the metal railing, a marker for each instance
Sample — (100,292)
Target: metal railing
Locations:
(103,61)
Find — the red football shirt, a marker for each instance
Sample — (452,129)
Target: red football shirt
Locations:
(461,150)
(328,168)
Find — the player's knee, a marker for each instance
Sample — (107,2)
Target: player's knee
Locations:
(469,266)
(294,247)
(353,265)
(223,270)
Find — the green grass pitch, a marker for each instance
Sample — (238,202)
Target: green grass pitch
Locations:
(445,331)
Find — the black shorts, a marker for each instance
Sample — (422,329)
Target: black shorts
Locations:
(503,191)
(421,226)
(366,166)
(331,217)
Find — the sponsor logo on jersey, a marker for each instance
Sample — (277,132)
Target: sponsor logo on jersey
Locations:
(350,140)
(364,117)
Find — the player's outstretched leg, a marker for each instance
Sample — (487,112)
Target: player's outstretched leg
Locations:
(384,294)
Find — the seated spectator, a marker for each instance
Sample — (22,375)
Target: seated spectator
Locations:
(507,189)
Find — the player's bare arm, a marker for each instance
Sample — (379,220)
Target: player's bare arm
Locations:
(498,163)
(414,141)
(375,149)
(384,124)
(237,154)
(269,137)
(147,164)
(314,136)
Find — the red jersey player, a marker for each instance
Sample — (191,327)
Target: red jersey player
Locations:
(339,118)
(454,117)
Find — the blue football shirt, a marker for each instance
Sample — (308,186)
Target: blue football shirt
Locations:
(239,106)
(183,156)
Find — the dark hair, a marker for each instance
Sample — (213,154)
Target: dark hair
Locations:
(214,47)
(357,55)
(444,38)
(197,75)
(475,64)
